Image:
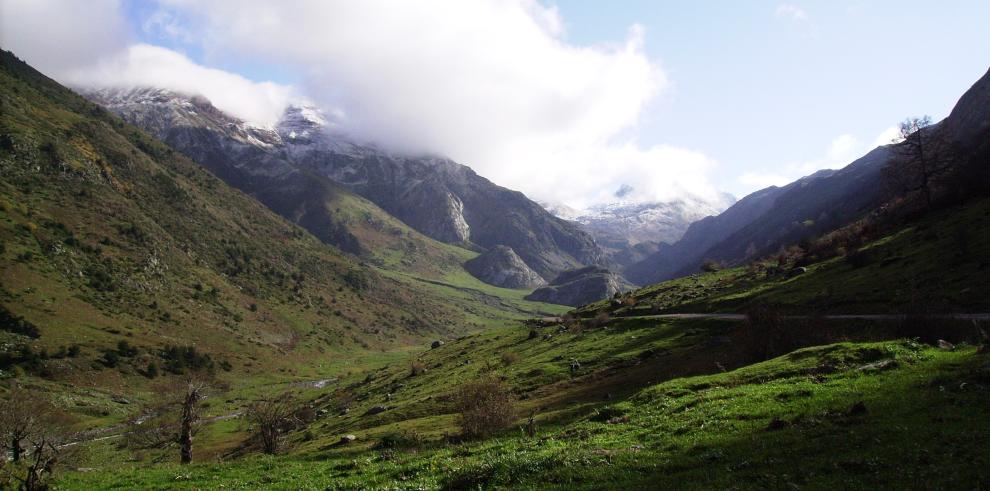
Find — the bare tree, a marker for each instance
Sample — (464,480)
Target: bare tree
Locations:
(923,156)
(174,419)
(272,418)
(24,415)
(38,433)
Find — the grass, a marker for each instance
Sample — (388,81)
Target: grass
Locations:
(938,263)
(107,235)
(766,425)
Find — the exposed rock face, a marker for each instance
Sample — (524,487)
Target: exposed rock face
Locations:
(287,167)
(580,286)
(501,266)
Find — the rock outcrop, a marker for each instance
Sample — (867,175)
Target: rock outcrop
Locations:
(580,286)
(501,266)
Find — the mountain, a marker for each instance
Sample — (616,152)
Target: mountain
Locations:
(501,266)
(108,235)
(769,219)
(764,221)
(630,232)
(295,165)
(581,286)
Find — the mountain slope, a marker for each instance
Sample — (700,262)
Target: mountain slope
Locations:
(438,197)
(774,217)
(109,235)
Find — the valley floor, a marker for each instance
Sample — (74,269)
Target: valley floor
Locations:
(650,407)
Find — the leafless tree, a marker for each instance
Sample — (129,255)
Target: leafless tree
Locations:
(174,418)
(38,433)
(272,418)
(24,415)
(923,156)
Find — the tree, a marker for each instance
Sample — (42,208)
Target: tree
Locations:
(922,157)
(24,416)
(174,419)
(37,433)
(272,417)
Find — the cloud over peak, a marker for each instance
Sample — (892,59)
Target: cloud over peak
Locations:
(493,84)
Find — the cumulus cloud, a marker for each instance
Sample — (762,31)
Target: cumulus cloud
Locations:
(143,65)
(493,84)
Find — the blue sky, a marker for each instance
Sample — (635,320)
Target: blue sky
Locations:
(759,91)
(565,101)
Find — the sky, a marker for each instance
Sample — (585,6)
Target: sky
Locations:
(565,101)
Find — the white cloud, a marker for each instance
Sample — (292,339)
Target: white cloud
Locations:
(791,12)
(143,65)
(889,135)
(491,83)
(57,35)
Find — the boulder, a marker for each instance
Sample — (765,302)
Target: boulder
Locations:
(502,267)
(375,410)
(581,286)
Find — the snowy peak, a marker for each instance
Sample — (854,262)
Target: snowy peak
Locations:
(636,222)
(159,110)
(301,124)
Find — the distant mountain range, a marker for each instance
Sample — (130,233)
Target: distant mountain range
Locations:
(295,166)
(629,231)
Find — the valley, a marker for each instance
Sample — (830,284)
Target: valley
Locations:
(189,300)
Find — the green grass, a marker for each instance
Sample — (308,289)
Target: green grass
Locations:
(787,422)
(108,235)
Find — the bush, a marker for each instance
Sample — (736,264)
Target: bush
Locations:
(509,358)
(400,439)
(179,358)
(485,406)
(17,325)
(711,266)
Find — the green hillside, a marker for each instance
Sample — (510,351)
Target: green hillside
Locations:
(119,255)
(937,264)
(108,236)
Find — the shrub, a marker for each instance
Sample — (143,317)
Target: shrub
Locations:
(179,358)
(152,370)
(509,358)
(17,325)
(400,439)
(711,266)
(485,406)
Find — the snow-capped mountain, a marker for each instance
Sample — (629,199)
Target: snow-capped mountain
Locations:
(287,166)
(630,231)
(636,222)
